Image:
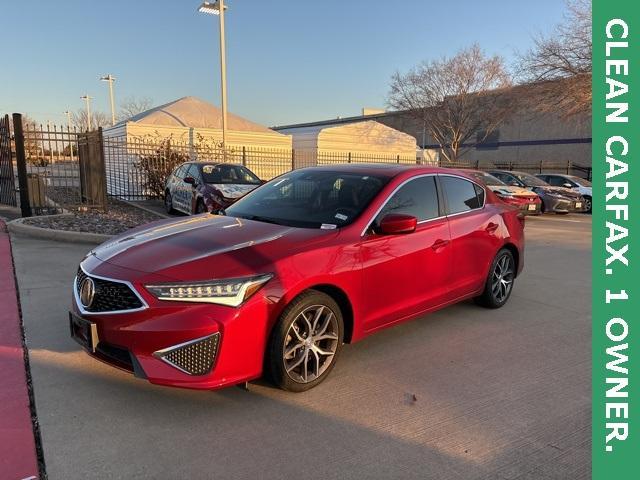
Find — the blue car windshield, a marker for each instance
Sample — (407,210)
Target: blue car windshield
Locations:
(310,199)
(228,174)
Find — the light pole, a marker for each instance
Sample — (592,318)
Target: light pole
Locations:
(87,99)
(218,8)
(68,114)
(110,78)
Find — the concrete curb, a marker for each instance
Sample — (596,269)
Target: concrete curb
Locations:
(18,227)
(145,209)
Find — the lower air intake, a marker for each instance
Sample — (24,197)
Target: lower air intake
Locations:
(195,357)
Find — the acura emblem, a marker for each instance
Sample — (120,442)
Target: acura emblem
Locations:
(87,291)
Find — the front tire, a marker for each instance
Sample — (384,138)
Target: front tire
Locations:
(499,283)
(306,342)
(588,204)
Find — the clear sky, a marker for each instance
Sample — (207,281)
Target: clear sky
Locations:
(288,60)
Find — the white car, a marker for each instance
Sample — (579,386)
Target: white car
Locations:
(577,184)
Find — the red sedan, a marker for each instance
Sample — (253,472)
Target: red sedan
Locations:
(313,259)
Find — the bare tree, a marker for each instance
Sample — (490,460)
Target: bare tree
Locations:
(98,119)
(453,98)
(131,106)
(560,64)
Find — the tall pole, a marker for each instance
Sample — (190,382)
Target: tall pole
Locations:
(87,99)
(223,82)
(110,79)
(68,114)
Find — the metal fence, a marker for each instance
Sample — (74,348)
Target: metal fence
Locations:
(61,169)
(7,176)
(54,169)
(568,168)
(136,168)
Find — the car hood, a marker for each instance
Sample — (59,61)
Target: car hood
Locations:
(193,246)
(565,192)
(511,190)
(232,190)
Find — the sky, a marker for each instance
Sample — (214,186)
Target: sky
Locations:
(288,61)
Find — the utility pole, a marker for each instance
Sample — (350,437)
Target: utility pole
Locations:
(110,79)
(87,100)
(68,114)
(217,8)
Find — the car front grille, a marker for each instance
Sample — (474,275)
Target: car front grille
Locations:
(195,357)
(110,295)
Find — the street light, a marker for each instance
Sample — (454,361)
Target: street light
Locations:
(218,8)
(68,114)
(110,78)
(87,99)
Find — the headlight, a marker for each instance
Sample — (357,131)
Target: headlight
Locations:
(231,291)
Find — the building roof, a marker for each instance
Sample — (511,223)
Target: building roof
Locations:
(196,113)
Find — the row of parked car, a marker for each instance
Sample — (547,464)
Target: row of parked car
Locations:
(198,187)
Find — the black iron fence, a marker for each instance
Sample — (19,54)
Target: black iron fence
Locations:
(137,167)
(7,176)
(61,169)
(55,169)
(568,167)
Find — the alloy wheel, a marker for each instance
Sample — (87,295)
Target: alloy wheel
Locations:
(502,279)
(587,204)
(310,344)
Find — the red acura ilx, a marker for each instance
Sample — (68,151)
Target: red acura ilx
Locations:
(313,259)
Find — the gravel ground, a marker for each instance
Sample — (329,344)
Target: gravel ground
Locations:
(118,218)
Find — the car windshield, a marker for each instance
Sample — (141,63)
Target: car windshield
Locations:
(530,180)
(486,178)
(228,174)
(580,181)
(310,199)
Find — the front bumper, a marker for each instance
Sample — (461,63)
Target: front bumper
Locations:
(565,205)
(191,345)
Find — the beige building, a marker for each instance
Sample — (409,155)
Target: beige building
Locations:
(191,129)
(189,118)
(363,140)
(525,138)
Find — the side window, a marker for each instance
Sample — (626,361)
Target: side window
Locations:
(557,181)
(194,172)
(461,194)
(180,171)
(418,197)
(479,194)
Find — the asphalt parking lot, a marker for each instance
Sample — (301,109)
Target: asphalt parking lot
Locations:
(465,393)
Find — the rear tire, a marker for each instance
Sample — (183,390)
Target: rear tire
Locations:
(499,283)
(306,342)
(168,202)
(588,204)
(200,208)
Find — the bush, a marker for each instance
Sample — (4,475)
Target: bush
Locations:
(157,166)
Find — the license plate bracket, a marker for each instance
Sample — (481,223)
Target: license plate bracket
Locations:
(84,332)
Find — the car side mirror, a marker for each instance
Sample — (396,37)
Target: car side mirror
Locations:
(567,185)
(397,223)
(514,184)
(190,180)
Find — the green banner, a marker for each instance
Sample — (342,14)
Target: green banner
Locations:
(616,205)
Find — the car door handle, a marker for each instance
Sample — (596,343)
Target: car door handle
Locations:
(491,227)
(438,244)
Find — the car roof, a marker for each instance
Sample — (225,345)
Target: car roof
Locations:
(515,172)
(384,169)
(217,164)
